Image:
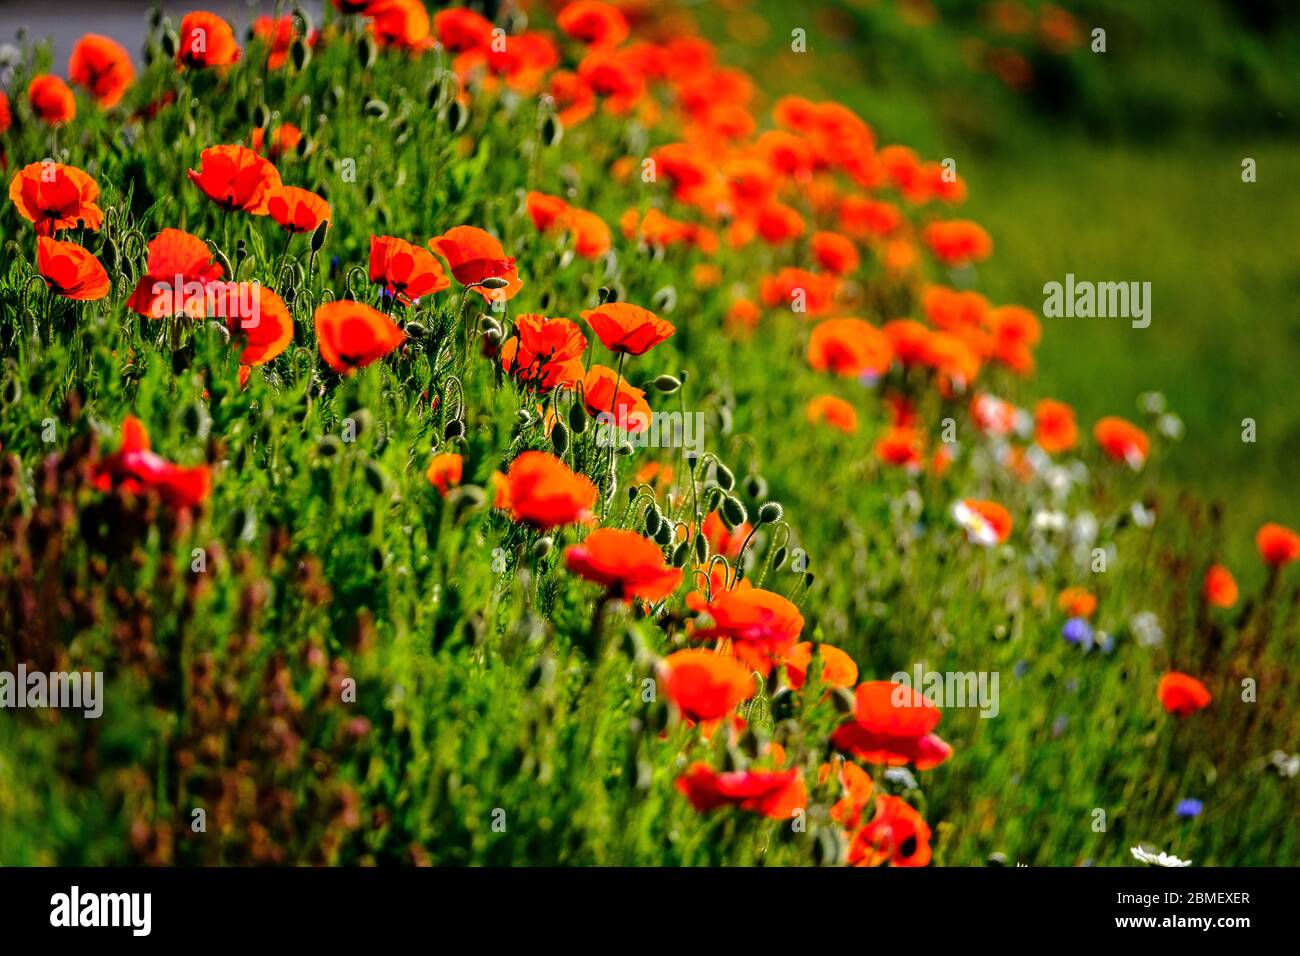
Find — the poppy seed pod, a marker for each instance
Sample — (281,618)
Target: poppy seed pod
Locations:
(667,383)
(770,512)
(692,460)
(734,511)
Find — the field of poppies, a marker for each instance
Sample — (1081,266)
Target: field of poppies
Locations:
(516,434)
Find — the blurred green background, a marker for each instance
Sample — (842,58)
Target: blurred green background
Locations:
(1117,166)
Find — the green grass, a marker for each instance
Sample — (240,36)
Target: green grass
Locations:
(484,693)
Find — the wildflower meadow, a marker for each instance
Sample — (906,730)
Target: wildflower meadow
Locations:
(532,433)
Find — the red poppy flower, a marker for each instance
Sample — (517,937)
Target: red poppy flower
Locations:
(460,30)
(403,24)
(1277,544)
(70,271)
(834,411)
(771,793)
(297,210)
(838,669)
(723,540)
(278,34)
(704,685)
(103,67)
(591,235)
(1181,694)
(986,522)
(235,177)
(593,23)
(958,242)
(544,353)
(1054,426)
(614,75)
(760,623)
(175,259)
(255,315)
(1077,602)
(546,493)
(901,445)
(407,271)
(574,100)
(850,348)
(6,116)
(444,471)
(352,335)
(284,140)
(474,255)
(627,409)
(893,724)
(546,211)
(206,40)
(1122,441)
(628,328)
(897,835)
(51,100)
(835,253)
(628,564)
(137,469)
(1220,587)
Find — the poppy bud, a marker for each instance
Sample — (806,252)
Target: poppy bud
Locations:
(624,449)
(415,330)
(843,699)
(494,282)
(667,383)
(734,511)
(679,554)
(222,261)
(578,418)
(300,53)
(559,438)
(665,300)
(783,704)
(262,116)
(376,109)
(328,447)
(653,520)
(543,547)
(453,429)
(607,295)
(996,859)
(488,324)
(318,237)
(692,460)
(169,43)
(542,673)
(457,116)
(523,417)
(664,537)
(770,512)
(726,480)
(713,497)
(365,50)
(755,486)
(552,130)
(808,580)
(376,477)
(701,547)
(778,558)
